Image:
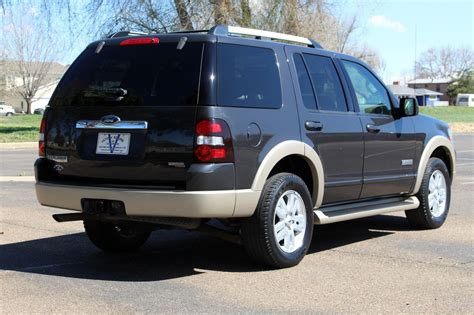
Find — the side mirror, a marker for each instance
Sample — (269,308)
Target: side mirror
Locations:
(408,107)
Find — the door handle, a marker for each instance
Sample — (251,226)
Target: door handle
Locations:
(372,128)
(313,125)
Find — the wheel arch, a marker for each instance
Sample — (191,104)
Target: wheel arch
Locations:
(298,151)
(440,147)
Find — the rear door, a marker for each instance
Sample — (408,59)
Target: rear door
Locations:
(389,142)
(328,123)
(126,115)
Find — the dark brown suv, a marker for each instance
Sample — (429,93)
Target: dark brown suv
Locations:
(265,132)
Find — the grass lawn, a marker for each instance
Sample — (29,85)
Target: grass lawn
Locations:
(19,128)
(450,114)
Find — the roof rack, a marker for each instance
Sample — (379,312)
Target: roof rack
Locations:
(126,33)
(226,30)
(258,34)
(191,31)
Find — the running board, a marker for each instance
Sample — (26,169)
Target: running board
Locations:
(358,210)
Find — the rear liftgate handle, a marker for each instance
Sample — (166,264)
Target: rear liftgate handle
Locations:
(313,125)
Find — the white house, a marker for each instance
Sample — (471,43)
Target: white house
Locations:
(424,97)
(438,85)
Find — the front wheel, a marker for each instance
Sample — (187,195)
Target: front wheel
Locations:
(434,196)
(280,231)
(113,237)
(9,114)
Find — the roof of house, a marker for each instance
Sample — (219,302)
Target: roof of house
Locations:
(402,90)
(427,92)
(429,80)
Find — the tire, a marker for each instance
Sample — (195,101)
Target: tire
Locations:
(9,114)
(258,232)
(432,216)
(115,238)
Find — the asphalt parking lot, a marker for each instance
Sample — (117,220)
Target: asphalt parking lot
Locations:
(369,265)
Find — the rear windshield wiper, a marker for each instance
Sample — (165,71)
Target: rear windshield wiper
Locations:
(110,94)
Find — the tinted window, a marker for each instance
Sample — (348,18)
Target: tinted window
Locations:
(247,77)
(326,83)
(371,94)
(146,75)
(306,89)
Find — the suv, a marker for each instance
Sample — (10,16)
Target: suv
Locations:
(263,133)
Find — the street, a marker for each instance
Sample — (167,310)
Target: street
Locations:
(371,265)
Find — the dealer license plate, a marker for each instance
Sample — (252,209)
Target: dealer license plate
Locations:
(113,143)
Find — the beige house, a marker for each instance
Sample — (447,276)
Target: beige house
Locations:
(11,81)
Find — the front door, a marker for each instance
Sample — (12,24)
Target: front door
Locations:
(389,143)
(328,123)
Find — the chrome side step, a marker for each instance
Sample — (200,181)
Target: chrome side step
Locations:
(346,212)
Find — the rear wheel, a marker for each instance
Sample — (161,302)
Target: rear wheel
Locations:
(434,196)
(9,114)
(279,233)
(115,238)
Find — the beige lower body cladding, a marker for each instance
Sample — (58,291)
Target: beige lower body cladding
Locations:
(139,202)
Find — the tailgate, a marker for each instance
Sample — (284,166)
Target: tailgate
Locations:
(126,115)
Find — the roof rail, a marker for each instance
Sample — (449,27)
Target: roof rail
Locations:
(258,34)
(126,33)
(191,31)
(227,30)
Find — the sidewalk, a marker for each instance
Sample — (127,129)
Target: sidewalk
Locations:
(19,145)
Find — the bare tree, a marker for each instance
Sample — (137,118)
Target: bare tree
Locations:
(318,19)
(445,62)
(246,14)
(30,52)
(290,16)
(184,17)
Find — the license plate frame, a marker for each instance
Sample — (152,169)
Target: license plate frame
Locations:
(113,143)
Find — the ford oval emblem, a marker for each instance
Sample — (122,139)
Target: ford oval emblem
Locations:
(110,119)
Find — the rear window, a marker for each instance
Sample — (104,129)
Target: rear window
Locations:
(141,75)
(247,77)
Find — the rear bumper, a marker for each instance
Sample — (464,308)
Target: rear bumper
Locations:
(189,204)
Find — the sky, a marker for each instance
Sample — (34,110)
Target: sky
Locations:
(388,27)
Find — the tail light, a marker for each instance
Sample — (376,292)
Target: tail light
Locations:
(140,41)
(213,142)
(41,149)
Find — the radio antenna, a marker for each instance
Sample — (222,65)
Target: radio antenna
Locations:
(414,65)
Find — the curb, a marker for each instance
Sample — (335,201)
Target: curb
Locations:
(19,145)
(17,178)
